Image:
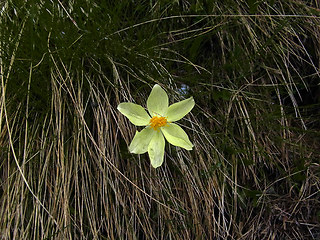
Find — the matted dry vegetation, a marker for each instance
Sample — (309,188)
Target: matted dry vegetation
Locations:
(253,70)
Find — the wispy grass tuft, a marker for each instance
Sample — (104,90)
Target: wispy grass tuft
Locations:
(253,69)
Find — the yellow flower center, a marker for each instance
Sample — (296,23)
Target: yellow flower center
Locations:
(156,122)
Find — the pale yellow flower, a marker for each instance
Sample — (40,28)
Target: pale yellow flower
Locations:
(158,124)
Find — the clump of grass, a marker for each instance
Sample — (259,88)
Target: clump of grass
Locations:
(253,69)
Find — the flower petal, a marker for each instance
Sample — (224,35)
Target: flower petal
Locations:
(178,110)
(156,149)
(176,136)
(157,102)
(135,113)
(141,141)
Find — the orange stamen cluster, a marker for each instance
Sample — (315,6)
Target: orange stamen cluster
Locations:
(156,122)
